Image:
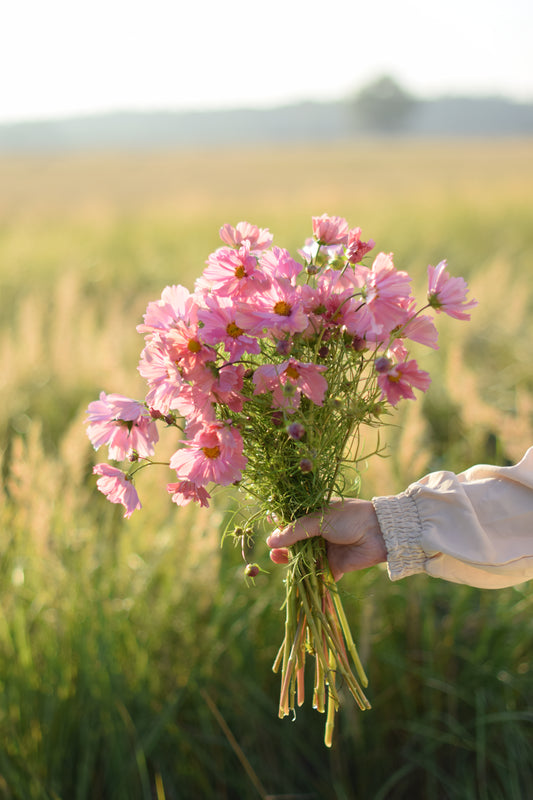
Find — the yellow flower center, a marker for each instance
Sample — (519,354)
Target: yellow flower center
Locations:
(282,308)
(240,272)
(291,372)
(233,330)
(194,346)
(211,452)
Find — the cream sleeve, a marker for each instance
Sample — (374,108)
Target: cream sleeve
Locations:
(474,528)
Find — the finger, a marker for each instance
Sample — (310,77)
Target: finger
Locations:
(303,528)
(279,555)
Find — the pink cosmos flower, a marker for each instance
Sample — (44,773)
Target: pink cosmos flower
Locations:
(117,487)
(233,272)
(330,230)
(196,401)
(356,250)
(183,492)
(396,380)
(213,455)
(278,263)
(219,327)
(417,328)
(176,303)
(122,424)
(448,294)
(161,372)
(386,291)
(257,238)
(289,380)
(279,309)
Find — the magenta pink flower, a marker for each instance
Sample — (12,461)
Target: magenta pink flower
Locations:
(448,294)
(117,487)
(397,380)
(356,250)
(289,380)
(234,272)
(330,230)
(122,424)
(183,492)
(278,309)
(257,238)
(215,454)
(219,327)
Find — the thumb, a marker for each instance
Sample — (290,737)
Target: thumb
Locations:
(303,528)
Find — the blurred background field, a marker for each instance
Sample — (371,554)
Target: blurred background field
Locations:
(134,660)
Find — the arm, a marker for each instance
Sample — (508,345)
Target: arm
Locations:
(474,528)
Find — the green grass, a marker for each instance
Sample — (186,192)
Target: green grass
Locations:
(134,660)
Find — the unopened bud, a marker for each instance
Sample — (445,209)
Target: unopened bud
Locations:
(306,465)
(248,373)
(312,269)
(382,364)
(296,431)
(324,350)
(251,570)
(358,344)
(283,347)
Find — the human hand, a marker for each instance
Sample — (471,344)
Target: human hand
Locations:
(351,530)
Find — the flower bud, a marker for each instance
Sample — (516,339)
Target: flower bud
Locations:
(277,418)
(283,347)
(248,373)
(358,344)
(312,269)
(382,364)
(296,431)
(306,465)
(324,350)
(251,570)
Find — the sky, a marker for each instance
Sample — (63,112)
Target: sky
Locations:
(66,57)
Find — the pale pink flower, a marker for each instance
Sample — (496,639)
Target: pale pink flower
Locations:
(183,492)
(396,381)
(214,455)
(223,386)
(448,294)
(122,424)
(386,291)
(278,263)
(356,250)
(289,380)
(176,303)
(187,348)
(278,309)
(219,327)
(330,230)
(257,238)
(233,272)
(161,372)
(117,487)
(417,328)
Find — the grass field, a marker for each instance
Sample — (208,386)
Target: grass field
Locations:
(134,660)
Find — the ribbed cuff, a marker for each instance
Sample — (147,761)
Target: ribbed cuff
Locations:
(402,531)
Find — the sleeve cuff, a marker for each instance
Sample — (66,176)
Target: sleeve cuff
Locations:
(402,531)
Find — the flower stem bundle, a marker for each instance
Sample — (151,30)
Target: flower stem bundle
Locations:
(266,376)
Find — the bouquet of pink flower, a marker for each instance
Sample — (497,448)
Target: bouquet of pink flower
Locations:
(264,375)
